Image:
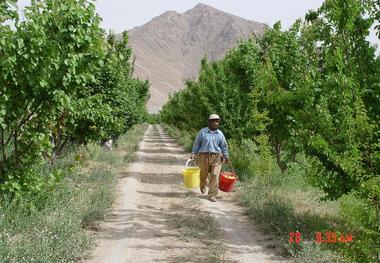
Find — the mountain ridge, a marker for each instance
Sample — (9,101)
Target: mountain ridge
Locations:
(169,48)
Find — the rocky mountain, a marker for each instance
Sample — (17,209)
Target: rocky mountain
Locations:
(170,47)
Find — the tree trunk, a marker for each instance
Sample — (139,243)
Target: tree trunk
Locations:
(3,156)
(59,146)
(277,147)
(2,146)
(17,163)
(294,153)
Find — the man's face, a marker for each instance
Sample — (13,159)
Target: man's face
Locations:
(213,124)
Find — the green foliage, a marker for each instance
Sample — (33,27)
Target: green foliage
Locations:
(61,82)
(343,118)
(51,226)
(251,159)
(154,119)
(218,89)
(313,89)
(48,226)
(8,10)
(361,216)
(184,137)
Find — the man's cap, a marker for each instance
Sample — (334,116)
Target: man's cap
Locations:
(213,117)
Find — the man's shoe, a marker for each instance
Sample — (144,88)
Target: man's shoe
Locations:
(203,189)
(212,198)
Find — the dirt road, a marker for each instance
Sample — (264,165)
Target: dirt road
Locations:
(153,209)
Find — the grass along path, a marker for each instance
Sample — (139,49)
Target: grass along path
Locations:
(53,225)
(279,204)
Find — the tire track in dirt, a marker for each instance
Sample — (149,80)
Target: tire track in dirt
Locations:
(142,225)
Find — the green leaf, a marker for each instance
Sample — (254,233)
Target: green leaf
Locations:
(20,43)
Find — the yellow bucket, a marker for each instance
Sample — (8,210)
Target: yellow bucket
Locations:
(191,176)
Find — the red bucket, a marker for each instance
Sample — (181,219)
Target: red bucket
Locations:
(227,181)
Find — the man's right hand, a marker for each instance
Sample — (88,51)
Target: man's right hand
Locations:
(192,157)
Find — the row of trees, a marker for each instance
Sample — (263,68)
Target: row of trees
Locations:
(62,80)
(312,89)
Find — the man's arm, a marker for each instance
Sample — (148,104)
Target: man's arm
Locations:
(197,144)
(224,148)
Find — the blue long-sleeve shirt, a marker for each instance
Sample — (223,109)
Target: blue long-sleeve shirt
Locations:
(208,141)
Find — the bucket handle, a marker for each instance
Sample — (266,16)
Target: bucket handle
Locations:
(237,178)
(187,163)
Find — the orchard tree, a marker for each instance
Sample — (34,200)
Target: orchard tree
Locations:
(60,83)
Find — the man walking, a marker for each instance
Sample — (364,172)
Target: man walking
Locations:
(209,148)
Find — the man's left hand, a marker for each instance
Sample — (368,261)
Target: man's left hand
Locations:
(228,161)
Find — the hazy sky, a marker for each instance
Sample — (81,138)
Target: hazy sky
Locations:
(121,15)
